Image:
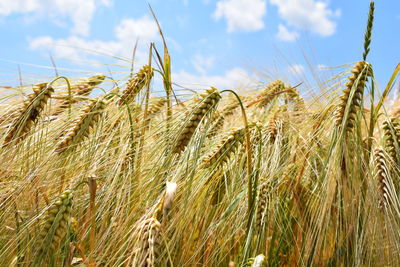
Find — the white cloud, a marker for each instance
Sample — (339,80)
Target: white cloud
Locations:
(144,28)
(107,3)
(126,33)
(242,15)
(309,15)
(202,63)
(80,12)
(285,35)
(296,69)
(231,79)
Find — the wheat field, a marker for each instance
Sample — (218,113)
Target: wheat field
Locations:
(272,176)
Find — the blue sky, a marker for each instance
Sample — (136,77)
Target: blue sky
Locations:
(224,43)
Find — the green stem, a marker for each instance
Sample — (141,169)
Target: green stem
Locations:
(132,133)
(249,153)
(69,91)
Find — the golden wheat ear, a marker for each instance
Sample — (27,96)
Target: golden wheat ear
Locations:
(268,94)
(262,204)
(83,125)
(294,97)
(148,233)
(83,89)
(221,116)
(156,104)
(208,101)
(228,145)
(55,225)
(352,96)
(391,129)
(136,84)
(383,176)
(29,113)
(275,124)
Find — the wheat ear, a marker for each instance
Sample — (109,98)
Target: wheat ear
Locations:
(81,127)
(228,145)
(274,124)
(382,172)
(268,94)
(56,222)
(208,101)
(352,96)
(83,88)
(220,118)
(262,204)
(391,129)
(135,84)
(148,233)
(29,113)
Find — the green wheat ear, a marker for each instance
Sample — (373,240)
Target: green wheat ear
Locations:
(368,31)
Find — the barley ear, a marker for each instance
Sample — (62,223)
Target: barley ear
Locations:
(136,84)
(83,125)
(208,101)
(262,205)
(148,233)
(382,173)
(391,130)
(228,145)
(56,224)
(352,96)
(368,31)
(29,113)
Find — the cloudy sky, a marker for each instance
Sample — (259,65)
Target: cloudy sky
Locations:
(225,43)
